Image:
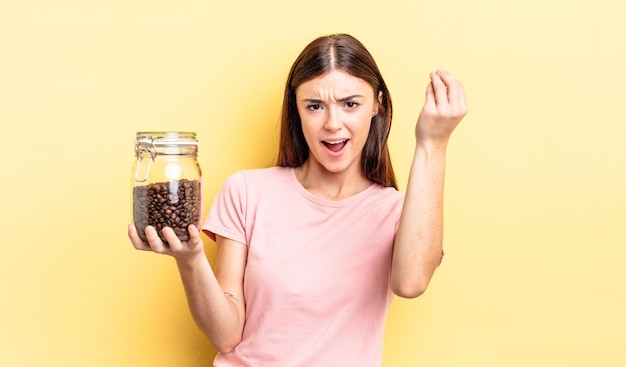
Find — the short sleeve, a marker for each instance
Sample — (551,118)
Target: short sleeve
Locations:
(227,214)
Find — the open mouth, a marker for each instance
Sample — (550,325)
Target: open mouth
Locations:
(335,146)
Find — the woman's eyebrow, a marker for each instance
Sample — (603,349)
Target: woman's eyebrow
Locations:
(344,99)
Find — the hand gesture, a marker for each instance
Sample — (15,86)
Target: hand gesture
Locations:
(181,250)
(444,108)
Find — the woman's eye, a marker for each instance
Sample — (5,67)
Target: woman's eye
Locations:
(352,104)
(313,107)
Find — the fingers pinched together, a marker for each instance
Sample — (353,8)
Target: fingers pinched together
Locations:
(443,109)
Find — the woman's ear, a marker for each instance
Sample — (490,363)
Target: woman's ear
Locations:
(380,102)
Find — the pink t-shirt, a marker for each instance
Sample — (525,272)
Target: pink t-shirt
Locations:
(316,281)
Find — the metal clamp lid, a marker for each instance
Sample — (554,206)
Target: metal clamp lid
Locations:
(148,142)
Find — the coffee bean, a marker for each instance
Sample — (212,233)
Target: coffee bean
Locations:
(175,204)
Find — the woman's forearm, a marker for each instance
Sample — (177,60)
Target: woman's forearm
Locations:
(418,243)
(215,312)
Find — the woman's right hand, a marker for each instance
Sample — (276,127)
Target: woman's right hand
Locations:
(181,250)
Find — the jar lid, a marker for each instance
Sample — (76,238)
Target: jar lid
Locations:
(167,138)
(151,144)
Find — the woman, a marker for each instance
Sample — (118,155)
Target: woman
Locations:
(310,252)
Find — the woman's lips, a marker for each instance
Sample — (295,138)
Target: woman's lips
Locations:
(335,146)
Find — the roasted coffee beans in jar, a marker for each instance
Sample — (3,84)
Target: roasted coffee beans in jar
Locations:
(166,183)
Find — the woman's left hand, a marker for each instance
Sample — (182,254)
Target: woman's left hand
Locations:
(444,108)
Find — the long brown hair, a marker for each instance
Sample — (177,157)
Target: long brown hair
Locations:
(324,54)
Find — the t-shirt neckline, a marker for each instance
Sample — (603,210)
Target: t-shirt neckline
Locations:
(327,202)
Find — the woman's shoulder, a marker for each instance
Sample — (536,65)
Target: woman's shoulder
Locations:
(386,196)
(260,177)
(387,191)
(390,194)
(268,173)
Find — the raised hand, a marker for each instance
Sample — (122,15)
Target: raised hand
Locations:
(443,109)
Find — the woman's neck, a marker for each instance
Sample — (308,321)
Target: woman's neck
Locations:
(331,185)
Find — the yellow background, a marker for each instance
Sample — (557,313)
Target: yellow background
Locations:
(535,267)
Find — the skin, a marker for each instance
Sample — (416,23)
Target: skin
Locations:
(418,246)
(334,108)
(330,111)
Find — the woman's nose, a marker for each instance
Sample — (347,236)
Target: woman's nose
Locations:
(333,122)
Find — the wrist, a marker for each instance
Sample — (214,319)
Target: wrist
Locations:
(191,262)
(432,147)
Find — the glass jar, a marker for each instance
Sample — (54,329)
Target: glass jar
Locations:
(166,183)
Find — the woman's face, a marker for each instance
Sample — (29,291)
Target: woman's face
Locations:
(336,109)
